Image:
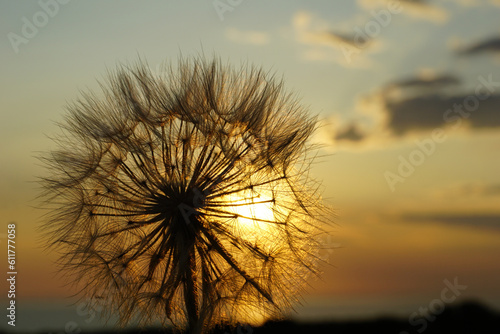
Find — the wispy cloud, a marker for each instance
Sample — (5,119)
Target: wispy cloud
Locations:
(470,3)
(472,220)
(349,39)
(468,190)
(420,9)
(351,133)
(328,44)
(491,45)
(248,37)
(426,81)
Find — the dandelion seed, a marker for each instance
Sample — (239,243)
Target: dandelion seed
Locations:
(185,198)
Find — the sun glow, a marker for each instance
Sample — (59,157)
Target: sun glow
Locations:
(258,219)
(256,213)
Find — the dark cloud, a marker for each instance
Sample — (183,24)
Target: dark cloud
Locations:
(350,39)
(489,45)
(483,221)
(416,2)
(350,133)
(431,111)
(491,190)
(476,189)
(426,103)
(466,191)
(423,82)
(421,9)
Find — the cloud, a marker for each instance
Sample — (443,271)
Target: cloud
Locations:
(469,190)
(420,9)
(490,45)
(327,44)
(481,221)
(472,3)
(422,104)
(435,110)
(467,3)
(248,37)
(309,29)
(350,133)
(351,39)
(426,81)
(481,189)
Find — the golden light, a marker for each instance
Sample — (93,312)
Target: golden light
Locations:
(255,213)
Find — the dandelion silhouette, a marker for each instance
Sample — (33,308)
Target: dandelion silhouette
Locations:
(185,198)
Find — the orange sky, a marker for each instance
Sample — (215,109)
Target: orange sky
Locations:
(393,243)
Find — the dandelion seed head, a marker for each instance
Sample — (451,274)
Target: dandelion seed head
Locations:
(186,196)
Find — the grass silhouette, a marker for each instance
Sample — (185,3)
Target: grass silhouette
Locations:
(185,198)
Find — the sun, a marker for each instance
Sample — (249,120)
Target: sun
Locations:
(255,213)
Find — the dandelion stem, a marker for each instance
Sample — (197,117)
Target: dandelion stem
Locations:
(191,293)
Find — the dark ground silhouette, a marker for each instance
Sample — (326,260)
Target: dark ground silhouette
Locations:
(466,318)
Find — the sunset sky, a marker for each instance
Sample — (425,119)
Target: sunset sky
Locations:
(408,96)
